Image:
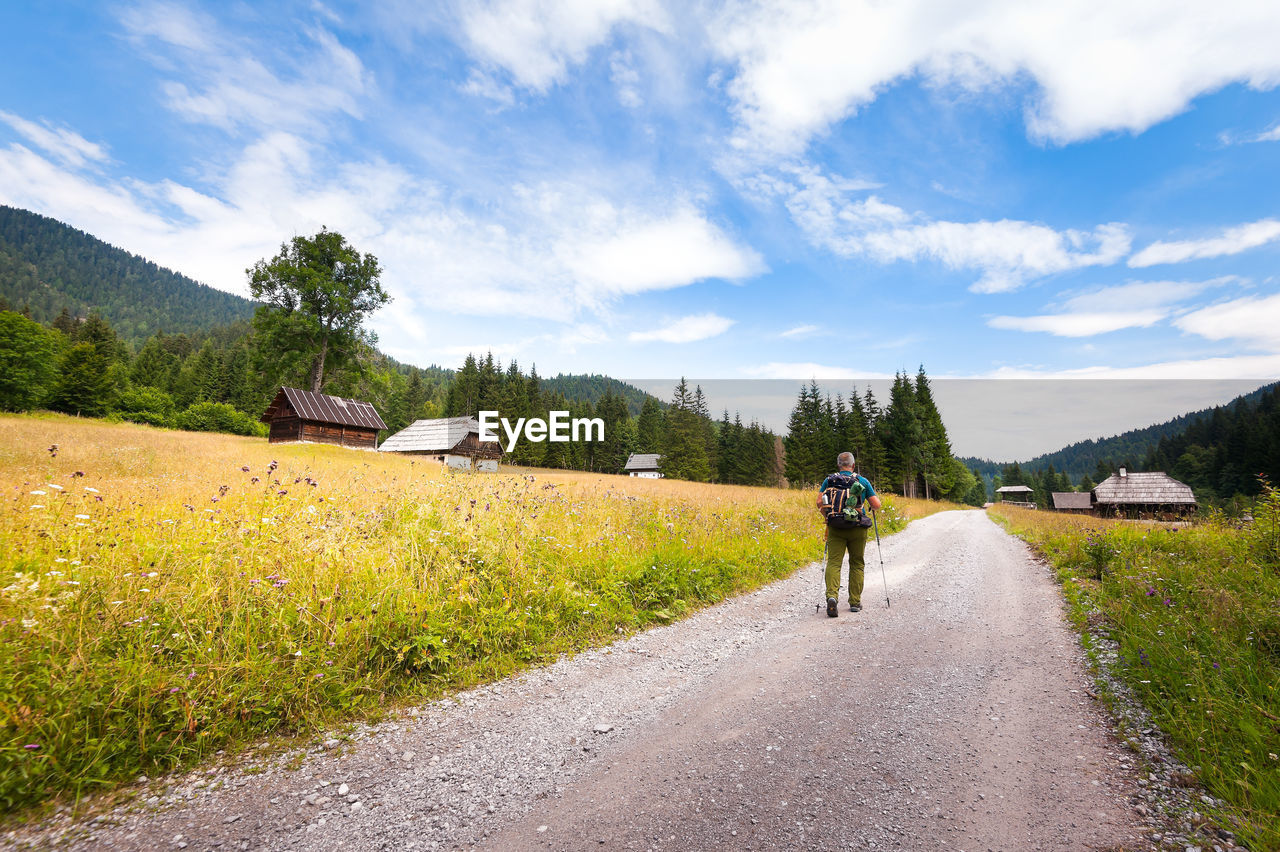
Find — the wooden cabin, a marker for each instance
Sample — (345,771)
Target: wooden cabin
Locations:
(1016,495)
(1073,502)
(1143,495)
(455,441)
(298,415)
(643,465)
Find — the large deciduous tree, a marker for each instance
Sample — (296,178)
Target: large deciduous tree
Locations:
(316,294)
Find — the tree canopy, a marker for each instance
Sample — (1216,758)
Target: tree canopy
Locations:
(317,293)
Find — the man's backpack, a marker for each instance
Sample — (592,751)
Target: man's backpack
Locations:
(842,501)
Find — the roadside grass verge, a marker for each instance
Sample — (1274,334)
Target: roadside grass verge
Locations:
(1196,614)
(164,595)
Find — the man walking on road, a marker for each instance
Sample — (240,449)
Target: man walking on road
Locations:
(840,499)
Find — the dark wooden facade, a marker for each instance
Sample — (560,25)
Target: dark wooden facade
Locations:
(296,415)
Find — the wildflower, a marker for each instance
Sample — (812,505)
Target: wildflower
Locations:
(245,468)
(37,506)
(41,493)
(1151,593)
(1215,665)
(1168,602)
(55,486)
(91,489)
(83,517)
(53,450)
(144,590)
(32,746)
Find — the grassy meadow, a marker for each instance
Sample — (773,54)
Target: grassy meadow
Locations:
(168,594)
(1196,613)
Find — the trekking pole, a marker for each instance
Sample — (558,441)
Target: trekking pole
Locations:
(825,545)
(876,526)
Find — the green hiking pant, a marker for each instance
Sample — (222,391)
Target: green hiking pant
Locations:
(837,540)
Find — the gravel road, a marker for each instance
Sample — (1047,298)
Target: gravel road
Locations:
(956,719)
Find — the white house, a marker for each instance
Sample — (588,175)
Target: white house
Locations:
(643,465)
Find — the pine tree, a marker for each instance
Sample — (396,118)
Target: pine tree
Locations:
(649,427)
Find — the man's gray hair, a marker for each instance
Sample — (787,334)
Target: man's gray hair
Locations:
(845,460)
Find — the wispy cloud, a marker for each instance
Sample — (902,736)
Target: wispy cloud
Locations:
(1007,253)
(223,81)
(67,145)
(684,330)
(1137,304)
(800,331)
(537,41)
(1231,241)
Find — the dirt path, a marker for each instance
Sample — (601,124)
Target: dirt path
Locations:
(956,719)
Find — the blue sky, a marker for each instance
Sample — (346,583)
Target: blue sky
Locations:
(726,190)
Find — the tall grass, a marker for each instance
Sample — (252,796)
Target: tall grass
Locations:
(169,594)
(1196,613)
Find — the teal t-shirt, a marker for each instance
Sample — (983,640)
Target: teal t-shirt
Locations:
(870,492)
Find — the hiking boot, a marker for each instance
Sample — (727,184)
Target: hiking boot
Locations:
(855,607)
(831,608)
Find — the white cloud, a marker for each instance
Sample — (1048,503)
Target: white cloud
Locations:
(799,331)
(1096,66)
(535,41)
(67,145)
(1007,253)
(227,85)
(1080,324)
(484,86)
(1231,241)
(1272,135)
(684,330)
(1137,304)
(1255,320)
(550,251)
(1138,295)
(1262,368)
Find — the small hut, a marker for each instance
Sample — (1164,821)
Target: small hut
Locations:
(1016,495)
(455,441)
(643,465)
(298,415)
(1074,502)
(1143,495)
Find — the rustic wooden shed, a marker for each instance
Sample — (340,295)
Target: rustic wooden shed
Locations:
(1075,502)
(298,415)
(452,440)
(1145,495)
(643,465)
(1016,495)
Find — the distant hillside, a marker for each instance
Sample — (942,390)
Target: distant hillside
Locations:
(49,266)
(1131,447)
(591,388)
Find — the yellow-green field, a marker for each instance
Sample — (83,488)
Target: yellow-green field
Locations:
(1195,610)
(167,594)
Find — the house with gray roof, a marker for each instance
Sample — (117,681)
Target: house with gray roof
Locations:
(643,465)
(1150,494)
(454,441)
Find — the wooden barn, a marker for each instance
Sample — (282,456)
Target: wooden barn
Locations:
(1143,495)
(643,465)
(1074,502)
(298,415)
(455,441)
(1016,495)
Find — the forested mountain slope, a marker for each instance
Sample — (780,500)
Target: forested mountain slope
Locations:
(48,266)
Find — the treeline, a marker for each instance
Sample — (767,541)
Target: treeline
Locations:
(1095,459)
(690,444)
(220,381)
(902,447)
(1222,455)
(1220,452)
(47,266)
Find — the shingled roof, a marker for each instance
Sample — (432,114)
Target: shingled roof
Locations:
(642,461)
(431,436)
(1143,489)
(323,408)
(1072,500)
(1014,489)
